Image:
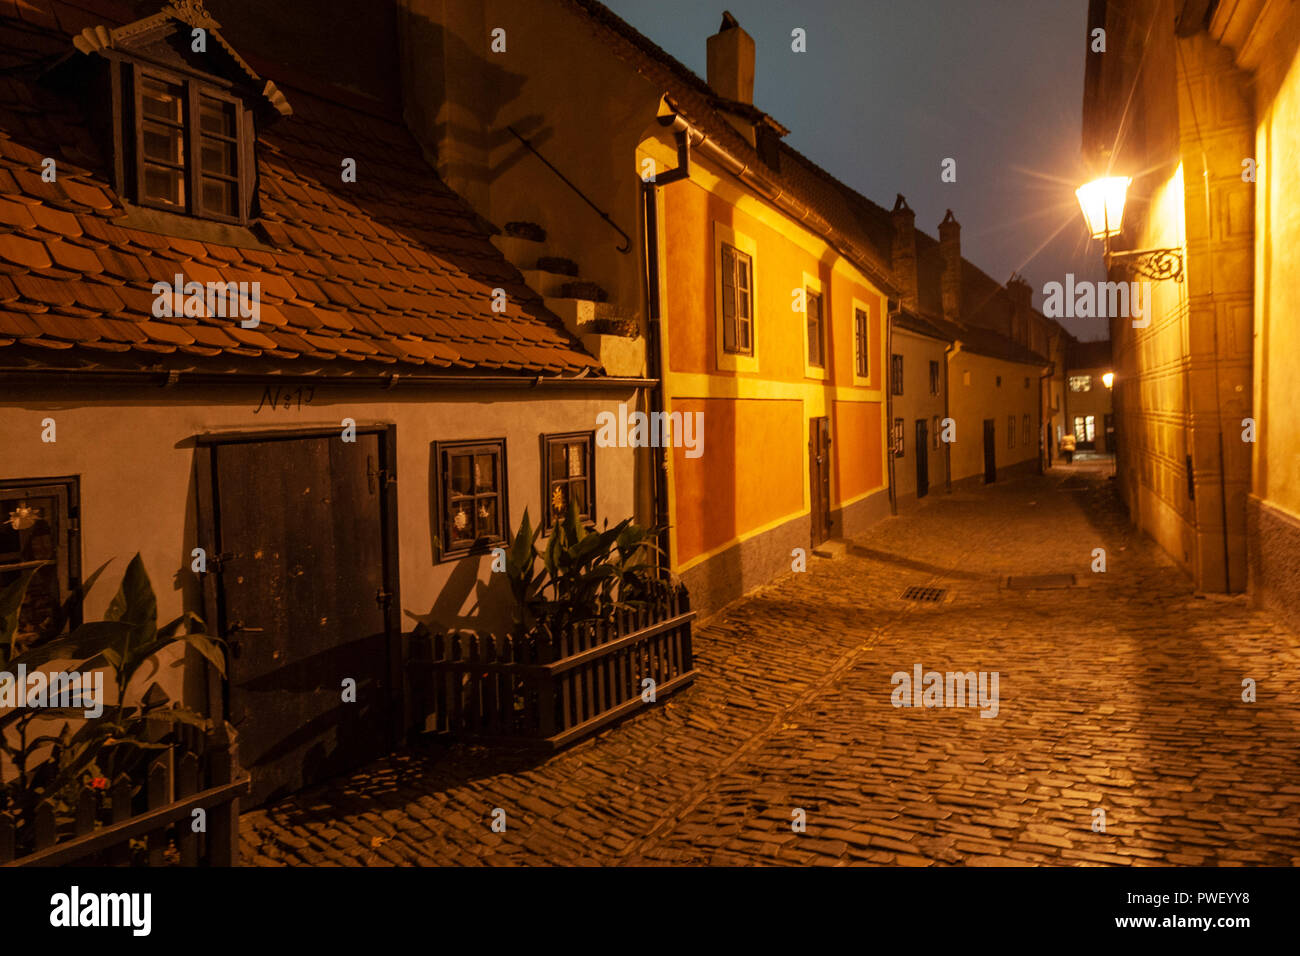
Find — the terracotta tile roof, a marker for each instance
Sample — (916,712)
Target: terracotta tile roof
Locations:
(393,270)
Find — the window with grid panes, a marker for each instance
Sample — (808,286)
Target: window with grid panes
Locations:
(813,306)
(569,475)
(471,494)
(737,278)
(40,536)
(860,338)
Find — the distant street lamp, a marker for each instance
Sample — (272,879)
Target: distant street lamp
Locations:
(1108,379)
(1102,202)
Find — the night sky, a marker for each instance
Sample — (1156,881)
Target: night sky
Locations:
(890,88)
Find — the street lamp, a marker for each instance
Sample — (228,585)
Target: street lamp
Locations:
(1102,202)
(1108,379)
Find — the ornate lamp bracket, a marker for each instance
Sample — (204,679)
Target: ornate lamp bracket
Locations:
(1155,264)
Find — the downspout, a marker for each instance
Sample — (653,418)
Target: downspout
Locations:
(1046,447)
(889,402)
(948,353)
(656,361)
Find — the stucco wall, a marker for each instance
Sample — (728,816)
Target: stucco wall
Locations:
(972,401)
(135,453)
(916,402)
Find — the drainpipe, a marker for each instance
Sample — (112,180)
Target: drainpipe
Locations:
(1047,446)
(889,401)
(948,354)
(656,361)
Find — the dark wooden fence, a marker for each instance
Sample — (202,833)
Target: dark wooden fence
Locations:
(551,690)
(199,772)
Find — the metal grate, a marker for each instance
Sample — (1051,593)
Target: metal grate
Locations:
(918,593)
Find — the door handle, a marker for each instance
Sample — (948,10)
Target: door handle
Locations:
(240,626)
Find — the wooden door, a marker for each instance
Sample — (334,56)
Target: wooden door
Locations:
(303,598)
(819,477)
(990,452)
(922,459)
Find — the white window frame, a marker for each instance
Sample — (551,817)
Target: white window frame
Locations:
(730,361)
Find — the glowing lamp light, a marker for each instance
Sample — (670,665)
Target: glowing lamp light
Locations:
(1108,379)
(1102,202)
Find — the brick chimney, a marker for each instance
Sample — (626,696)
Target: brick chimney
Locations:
(731,61)
(903,253)
(1022,307)
(950,251)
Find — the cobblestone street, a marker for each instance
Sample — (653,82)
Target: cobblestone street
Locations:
(1122,693)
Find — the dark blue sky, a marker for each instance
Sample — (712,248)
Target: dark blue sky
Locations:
(890,88)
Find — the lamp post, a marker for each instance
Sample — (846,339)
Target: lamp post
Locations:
(1102,202)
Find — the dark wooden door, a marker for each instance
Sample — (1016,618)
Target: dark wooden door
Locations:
(819,476)
(990,452)
(302,599)
(922,459)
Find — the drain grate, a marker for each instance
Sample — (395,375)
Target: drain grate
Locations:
(918,593)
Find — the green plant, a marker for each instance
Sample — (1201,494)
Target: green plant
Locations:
(585,574)
(119,739)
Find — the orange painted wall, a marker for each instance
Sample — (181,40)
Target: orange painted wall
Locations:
(751,471)
(779,267)
(855,451)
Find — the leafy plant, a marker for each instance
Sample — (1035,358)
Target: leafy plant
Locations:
(585,574)
(124,735)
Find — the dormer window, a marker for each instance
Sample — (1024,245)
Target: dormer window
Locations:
(188,147)
(179,115)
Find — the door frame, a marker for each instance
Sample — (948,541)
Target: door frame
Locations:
(207,537)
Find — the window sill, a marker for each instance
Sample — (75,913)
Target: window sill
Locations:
(178,225)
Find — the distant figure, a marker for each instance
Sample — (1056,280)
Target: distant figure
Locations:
(1067,447)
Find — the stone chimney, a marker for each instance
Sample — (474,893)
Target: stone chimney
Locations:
(950,251)
(903,253)
(731,61)
(1022,307)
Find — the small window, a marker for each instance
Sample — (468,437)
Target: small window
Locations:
(1011,431)
(898,438)
(934,378)
(934,432)
(568,464)
(471,495)
(1025,430)
(813,305)
(860,338)
(999,381)
(896,374)
(737,278)
(188,147)
(39,528)
(1081,383)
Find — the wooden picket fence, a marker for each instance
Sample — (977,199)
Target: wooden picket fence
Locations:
(551,690)
(199,772)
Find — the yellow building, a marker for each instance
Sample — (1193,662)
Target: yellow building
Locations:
(1207,459)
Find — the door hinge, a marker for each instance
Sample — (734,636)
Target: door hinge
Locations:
(383,598)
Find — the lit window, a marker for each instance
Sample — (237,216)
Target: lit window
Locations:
(471,494)
(39,521)
(737,278)
(568,463)
(1085,428)
(898,438)
(1080,383)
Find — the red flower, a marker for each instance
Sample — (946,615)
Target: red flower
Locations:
(98,783)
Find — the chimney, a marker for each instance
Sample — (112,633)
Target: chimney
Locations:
(1022,307)
(950,251)
(731,61)
(903,253)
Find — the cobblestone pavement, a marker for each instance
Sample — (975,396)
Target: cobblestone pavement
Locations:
(1122,694)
